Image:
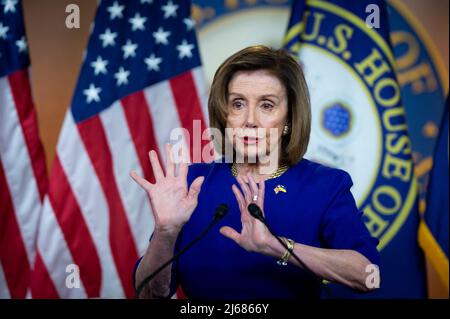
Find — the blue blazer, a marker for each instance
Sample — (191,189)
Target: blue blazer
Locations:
(310,203)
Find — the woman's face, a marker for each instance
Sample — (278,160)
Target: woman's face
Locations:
(257,103)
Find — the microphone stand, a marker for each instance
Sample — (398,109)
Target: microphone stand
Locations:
(221,211)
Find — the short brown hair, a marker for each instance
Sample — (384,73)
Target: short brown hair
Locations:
(280,64)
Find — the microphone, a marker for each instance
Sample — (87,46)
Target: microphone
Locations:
(256,212)
(220,212)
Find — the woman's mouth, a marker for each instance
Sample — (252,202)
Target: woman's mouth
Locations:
(249,140)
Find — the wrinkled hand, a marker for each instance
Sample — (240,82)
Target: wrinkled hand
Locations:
(172,203)
(254,235)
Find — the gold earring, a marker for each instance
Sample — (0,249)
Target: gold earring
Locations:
(285,130)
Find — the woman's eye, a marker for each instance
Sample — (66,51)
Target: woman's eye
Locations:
(267,106)
(237,105)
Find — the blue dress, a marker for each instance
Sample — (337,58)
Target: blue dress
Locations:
(316,208)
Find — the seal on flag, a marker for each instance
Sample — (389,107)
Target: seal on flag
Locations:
(359,121)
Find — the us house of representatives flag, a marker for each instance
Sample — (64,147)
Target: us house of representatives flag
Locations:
(433,230)
(359,125)
(141,77)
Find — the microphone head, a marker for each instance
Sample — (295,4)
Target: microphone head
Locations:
(255,211)
(221,211)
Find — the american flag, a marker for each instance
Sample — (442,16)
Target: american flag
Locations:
(141,77)
(23,177)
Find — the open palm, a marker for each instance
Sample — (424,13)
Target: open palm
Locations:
(254,234)
(172,202)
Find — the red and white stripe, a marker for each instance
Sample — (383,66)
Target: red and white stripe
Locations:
(95,216)
(4,291)
(23,183)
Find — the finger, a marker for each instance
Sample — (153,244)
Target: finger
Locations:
(156,167)
(239,197)
(253,186)
(261,192)
(230,233)
(185,155)
(141,181)
(170,166)
(182,170)
(183,160)
(245,189)
(242,204)
(196,185)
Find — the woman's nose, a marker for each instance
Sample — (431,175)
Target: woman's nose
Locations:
(251,117)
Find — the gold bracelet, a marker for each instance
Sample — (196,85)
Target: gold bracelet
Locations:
(283,261)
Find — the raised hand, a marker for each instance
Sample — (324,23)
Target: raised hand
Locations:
(254,234)
(172,202)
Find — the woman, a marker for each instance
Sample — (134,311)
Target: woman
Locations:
(308,204)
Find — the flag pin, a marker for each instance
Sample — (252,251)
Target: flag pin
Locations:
(280,188)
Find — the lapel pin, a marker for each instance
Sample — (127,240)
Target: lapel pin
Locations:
(280,188)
